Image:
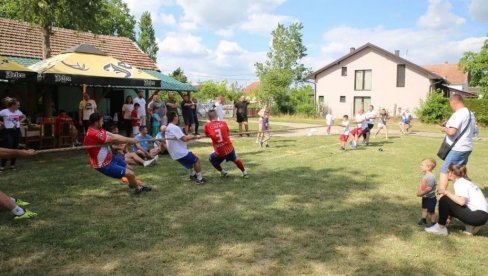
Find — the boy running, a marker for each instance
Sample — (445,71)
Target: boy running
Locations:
(345,134)
(178,151)
(218,131)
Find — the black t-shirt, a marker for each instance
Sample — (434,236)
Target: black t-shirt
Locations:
(171,109)
(242,107)
(186,110)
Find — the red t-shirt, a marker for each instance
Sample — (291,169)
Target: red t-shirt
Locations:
(135,122)
(218,131)
(57,123)
(99,156)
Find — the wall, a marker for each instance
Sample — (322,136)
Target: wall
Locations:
(331,84)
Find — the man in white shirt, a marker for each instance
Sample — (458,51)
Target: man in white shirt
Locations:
(177,148)
(329,120)
(142,102)
(370,117)
(86,108)
(219,108)
(456,124)
(362,124)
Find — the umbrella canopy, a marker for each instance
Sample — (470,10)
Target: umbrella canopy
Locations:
(85,64)
(12,71)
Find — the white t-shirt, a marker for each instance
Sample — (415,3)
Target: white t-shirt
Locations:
(87,108)
(11,119)
(177,149)
(329,119)
(475,198)
(459,120)
(362,121)
(142,109)
(370,117)
(127,109)
(346,127)
(219,109)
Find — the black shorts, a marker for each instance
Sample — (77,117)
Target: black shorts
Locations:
(188,120)
(241,118)
(370,126)
(429,203)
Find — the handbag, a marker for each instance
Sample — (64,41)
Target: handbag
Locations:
(446,148)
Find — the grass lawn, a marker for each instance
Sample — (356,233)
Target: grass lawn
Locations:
(307,209)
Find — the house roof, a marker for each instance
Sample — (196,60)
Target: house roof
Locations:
(451,72)
(23,40)
(254,86)
(382,51)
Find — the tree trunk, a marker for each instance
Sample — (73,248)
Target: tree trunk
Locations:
(46,53)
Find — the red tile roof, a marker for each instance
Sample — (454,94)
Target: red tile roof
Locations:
(22,39)
(252,87)
(451,72)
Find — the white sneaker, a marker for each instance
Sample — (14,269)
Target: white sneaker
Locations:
(149,162)
(437,230)
(471,230)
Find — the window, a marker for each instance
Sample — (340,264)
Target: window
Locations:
(344,71)
(363,80)
(401,75)
(342,99)
(321,100)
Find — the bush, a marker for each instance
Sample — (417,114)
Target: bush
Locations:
(434,109)
(480,107)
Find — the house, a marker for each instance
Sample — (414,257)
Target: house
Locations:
(252,87)
(22,42)
(372,75)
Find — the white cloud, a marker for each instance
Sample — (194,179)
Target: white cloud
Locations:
(478,9)
(264,23)
(165,19)
(183,45)
(418,46)
(137,7)
(439,16)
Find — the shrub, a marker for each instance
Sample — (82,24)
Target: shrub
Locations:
(434,109)
(480,107)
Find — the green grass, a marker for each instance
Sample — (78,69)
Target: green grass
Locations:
(307,209)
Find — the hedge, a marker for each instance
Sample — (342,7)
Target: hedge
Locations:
(480,107)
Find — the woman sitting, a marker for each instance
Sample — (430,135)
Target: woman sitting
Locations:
(468,203)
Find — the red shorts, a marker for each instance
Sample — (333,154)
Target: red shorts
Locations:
(357,131)
(343,138)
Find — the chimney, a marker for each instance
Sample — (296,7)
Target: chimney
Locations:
(446,62)
(352,50)
(397,53)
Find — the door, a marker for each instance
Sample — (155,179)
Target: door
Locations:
(361,103)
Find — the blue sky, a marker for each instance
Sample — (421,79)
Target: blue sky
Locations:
(217,40)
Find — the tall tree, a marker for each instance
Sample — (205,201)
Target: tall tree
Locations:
(147,38)
(476,64)
(115,19)
(179,75)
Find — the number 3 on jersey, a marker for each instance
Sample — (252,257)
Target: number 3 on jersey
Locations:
(218,132)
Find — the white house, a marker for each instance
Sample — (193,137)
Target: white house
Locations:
(372,75)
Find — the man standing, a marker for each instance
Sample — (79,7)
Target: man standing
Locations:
(241,114)
(457,123)
(187,107)
(157,102)
(142,110)
(172,106)
(219,108)
(86,108)
(370,117)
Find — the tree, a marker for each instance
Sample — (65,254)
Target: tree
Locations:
(147,38)
(179,75)
(434,109)
(476,65)
(115,19)
(209,90)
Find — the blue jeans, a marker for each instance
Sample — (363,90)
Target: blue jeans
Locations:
(455,158)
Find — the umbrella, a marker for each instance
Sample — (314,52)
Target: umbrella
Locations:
(85,64)
(12,71)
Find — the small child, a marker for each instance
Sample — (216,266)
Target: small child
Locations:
(136,121)
(345,133)
(426,190)
(264,128)
(156,121)
(329,120)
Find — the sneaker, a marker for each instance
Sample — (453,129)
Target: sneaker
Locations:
(193,177)
(422,222)
(27,215)
(261,144)
(21,203)
(224,174)
(437,230)
(142,188)
(471,230)
(201,181)
(149,162)
(353,147)
(245,175)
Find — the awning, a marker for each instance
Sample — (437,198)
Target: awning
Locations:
(167,83)
(85,64)
(12,71)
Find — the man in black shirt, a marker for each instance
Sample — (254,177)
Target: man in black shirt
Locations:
(241,114)
(187,107)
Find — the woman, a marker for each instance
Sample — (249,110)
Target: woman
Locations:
(126,111)
(382,123)
(11,117)
(468,203)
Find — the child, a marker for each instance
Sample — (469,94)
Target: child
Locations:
(382,123)
(345,134)
(427,192)
(264,128)
(136,121)
(329,120)
(156,121)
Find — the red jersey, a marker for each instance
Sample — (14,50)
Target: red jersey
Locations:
(99,156)
(60,120)
(135,122)
(218,131)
